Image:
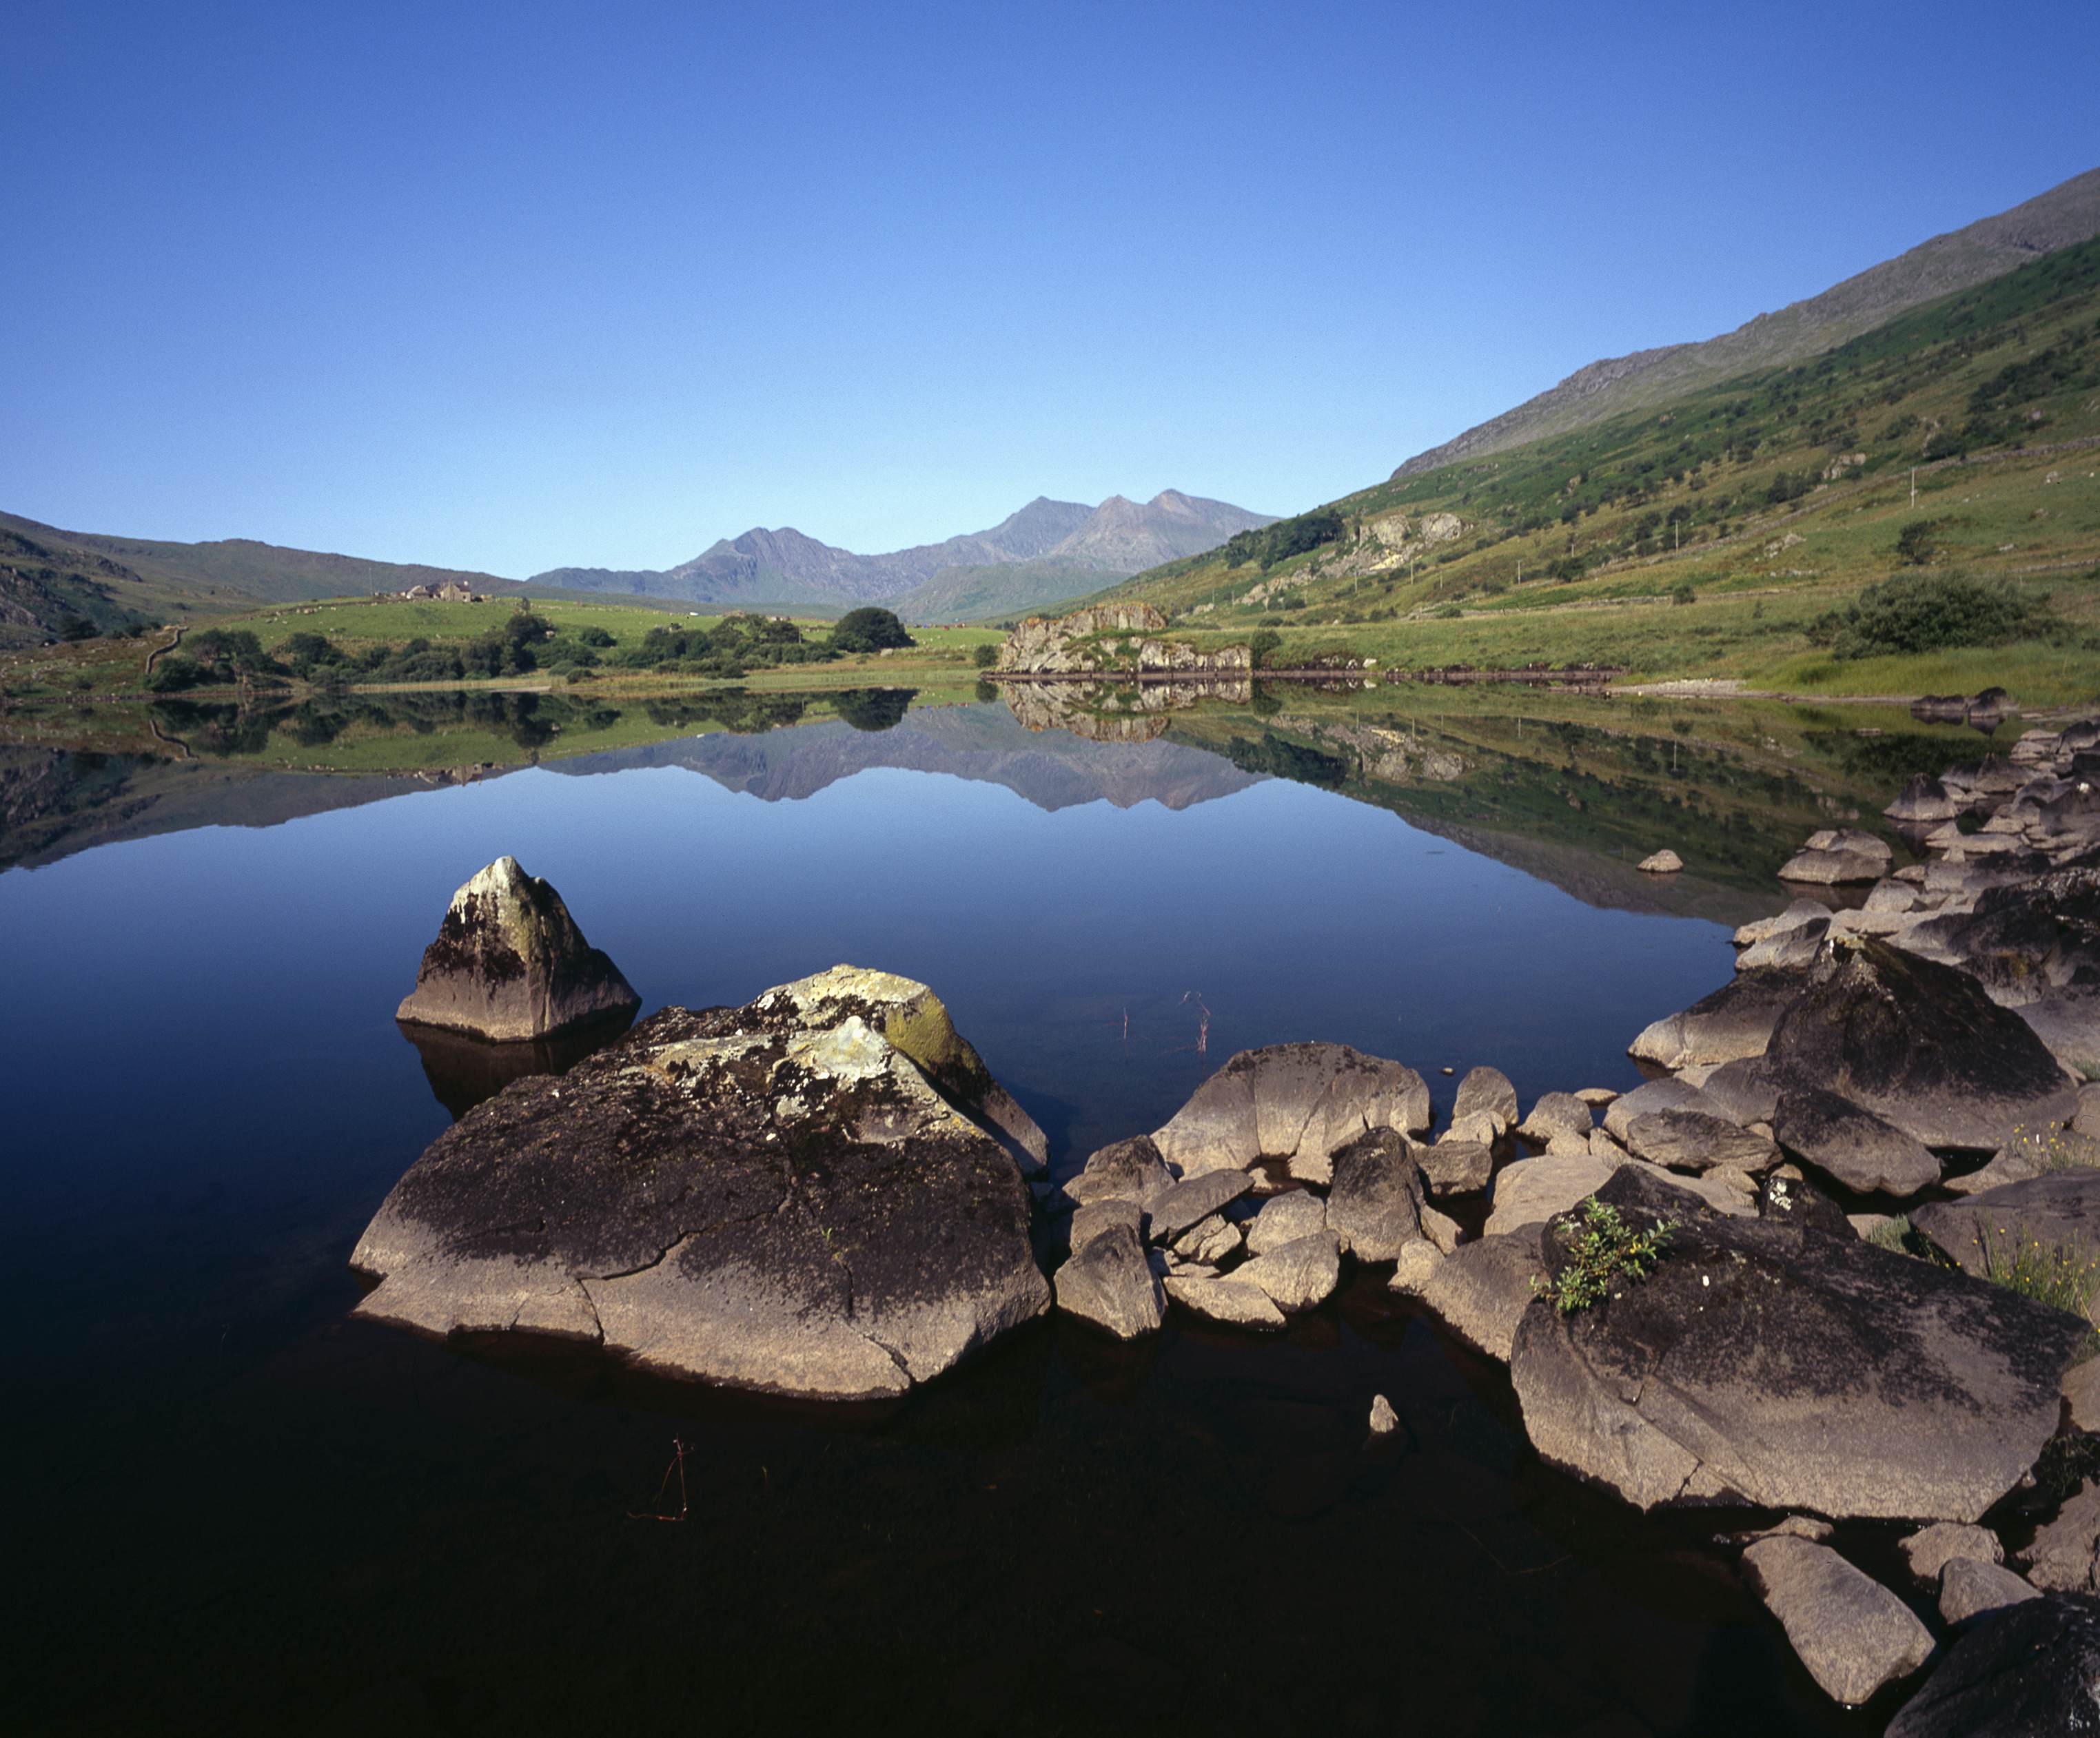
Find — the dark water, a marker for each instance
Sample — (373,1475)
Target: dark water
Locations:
(232,1509)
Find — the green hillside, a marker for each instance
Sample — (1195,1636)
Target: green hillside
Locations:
(1708,537)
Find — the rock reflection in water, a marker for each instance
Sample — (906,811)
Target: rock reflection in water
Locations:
(463,1071)
(1116,711)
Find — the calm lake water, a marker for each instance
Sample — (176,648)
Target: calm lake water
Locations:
(235,1510)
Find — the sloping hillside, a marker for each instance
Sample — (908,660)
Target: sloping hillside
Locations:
(2066,214)
(1706,537)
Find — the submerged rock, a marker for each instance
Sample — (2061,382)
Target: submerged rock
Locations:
(2026,1670)
(1920,1045)
(508,962)
(1851,1633)
(779,1197)
(1295,1103)
(1768,1362)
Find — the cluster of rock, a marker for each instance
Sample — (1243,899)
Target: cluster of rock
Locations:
(1112,639)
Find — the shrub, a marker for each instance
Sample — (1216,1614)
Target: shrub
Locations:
(1262,646)
(870,630)
(1924,612)
(1684,593)
(1914,544)
(984,657)
(1605,1252)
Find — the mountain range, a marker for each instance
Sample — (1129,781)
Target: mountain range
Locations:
(2068,214)
(1048,551)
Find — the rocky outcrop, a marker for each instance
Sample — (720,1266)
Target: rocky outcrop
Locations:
(1851,1633)
(1119,638)
(509,964)
(2026,1670)
(798,1197)
(1920,1045)
(1766,1362)
(1293,1104)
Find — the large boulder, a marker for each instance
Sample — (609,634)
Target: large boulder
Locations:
(734,1194)
(1655,1095)
(2031,1669)
(1455,1167)
(1557,1114)
(1230,1302)
(509,964)
(2051,1220)
(1189,1203)
(1284,1219)
(1852,1146)
(1108,1282)
(1294,1104)
(1735,1020)
(1971,1587)
(1693,1140)
(1765,1361)
(1533,1190)
(1483,1288)
(1297,1276)
(2064,1556)
(1375,1205)
(1920,1045)
(1851,1633)
(1124,1169)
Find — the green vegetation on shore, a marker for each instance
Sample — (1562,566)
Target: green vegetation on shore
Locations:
(1719,534)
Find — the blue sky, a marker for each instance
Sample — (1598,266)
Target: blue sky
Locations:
(516,286)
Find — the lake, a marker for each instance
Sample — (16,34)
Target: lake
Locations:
(237,1510)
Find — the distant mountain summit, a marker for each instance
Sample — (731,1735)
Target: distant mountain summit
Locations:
(1048,551)
(2064,216)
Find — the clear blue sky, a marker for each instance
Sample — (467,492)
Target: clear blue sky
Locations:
(513,286)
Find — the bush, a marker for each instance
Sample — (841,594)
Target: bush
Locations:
(1924,612)
(985,657)
(1914,544)
(1606,1251)
(597,638)
(869,629)
(1683,593)
(1262,646)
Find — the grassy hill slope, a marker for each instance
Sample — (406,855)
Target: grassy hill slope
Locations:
(1706,537)
(2063,216)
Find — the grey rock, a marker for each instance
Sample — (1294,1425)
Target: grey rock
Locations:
(1191,1202)
(1773,1364)
(1441,1229)
(1661,862)
(815,1216)
(1596,1097)
(1851,1633)
(1969,1586)
(1930,1549)
(2064,1556)
(2085,1120)
(1296,1103)
(1852,1146)
(1557,1114)
(1743,1091)
(1924,803)
(2027,1671)
(509,963)
(1533,1190)
(1284,1219)
(1384,1420)
(1455,1167)
(1298,1277)
(1095,1217)
(1416,1266)
(1486,1092)
(1839,857)
(1123,1170)
(1735,1020)
(1375,1205)
(2081,1396)
(1209,1241)
(1231,1303)
(1655,1095)
(1692,1140)
(1483,1289)
(1109,1283)
(1920,1045)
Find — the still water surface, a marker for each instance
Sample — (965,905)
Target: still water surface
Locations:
(235,1510)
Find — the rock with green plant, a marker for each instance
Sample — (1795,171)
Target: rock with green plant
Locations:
(1765,1361)
(2039,1237)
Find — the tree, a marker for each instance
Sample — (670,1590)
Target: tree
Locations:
(870,630)
(985,657)
(1914,544)
(1262,646)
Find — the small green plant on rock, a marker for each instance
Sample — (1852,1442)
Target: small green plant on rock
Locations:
(1606,1251)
